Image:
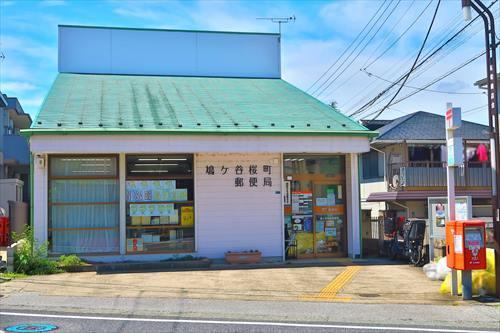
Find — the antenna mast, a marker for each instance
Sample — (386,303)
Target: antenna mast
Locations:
(278,20)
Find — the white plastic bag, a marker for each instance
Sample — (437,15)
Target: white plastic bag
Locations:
(430,270)
(442,269)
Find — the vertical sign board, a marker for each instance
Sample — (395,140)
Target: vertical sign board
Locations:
(454,142)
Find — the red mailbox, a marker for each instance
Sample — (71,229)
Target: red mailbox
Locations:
(465,245)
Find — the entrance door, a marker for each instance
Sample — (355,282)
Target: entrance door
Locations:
(315,206)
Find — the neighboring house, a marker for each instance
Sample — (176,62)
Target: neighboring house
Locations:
(407,165)
(154,143)
(14,152)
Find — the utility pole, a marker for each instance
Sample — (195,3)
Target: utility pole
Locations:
(491,69)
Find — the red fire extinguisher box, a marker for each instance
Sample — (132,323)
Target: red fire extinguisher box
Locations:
(466,245)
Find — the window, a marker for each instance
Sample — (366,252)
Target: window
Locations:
(160,204)
(432,155)
(83,204)
(370,165)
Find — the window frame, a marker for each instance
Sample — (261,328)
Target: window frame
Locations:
(88,177)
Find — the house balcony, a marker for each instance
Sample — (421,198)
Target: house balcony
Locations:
(15,149)
(429,175)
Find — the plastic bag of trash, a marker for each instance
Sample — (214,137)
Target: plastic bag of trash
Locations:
(442,269)
(483,281)
(430,270)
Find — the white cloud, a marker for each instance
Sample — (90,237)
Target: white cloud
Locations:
(31,102)
(15,87)
(138,13)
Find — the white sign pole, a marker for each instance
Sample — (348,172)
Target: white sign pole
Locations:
(450,176)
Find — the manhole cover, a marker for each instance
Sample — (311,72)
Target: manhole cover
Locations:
(369,295)
(31,328)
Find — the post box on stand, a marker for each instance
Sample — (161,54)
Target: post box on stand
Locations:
(466,245)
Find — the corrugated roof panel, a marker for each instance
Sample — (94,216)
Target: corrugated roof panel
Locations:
(120,102)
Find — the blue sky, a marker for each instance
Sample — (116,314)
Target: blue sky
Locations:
(323,29)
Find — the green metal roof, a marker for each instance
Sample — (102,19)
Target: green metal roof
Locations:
(80,103)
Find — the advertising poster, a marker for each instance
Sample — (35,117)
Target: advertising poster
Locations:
(152,210)
(187,216)
(154,190)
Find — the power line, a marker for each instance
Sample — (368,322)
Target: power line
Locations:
(414,63)
(372,101)
(377,19)
(462,65)
(477,108)
(421,89)
(357,55)
(400,36)
(395,69)
(348,47)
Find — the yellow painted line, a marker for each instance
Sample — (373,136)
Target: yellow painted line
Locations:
(329,292)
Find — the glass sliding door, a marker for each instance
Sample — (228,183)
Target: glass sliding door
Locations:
(83,204)
(314,205)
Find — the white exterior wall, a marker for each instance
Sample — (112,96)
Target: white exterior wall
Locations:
(112,143)
(230,218)
(94,50)
(353,206)
(40,198)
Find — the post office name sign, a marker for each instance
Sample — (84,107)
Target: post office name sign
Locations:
(251,175)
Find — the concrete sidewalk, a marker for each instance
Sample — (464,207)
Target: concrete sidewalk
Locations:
(361,284)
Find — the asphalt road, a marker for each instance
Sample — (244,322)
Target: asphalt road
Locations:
(85,323)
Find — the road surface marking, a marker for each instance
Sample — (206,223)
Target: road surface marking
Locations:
(329,293)
(247,323)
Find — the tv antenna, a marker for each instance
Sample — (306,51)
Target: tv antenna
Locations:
(279,20)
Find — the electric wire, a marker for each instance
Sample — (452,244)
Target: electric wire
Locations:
(348,47)
(328,84)
(402,63)
(400,36)
(352,76)
(428,90)
(414,63)
(361,109)
(434,81)
(378,97)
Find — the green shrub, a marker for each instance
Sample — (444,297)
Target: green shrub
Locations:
(31,258)
(69,261)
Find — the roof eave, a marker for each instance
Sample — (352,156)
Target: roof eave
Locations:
(91,131)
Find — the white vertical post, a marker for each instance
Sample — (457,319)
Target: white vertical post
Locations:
(40,203)
(122,170)
(282,187)
(450,176)
(353,208)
